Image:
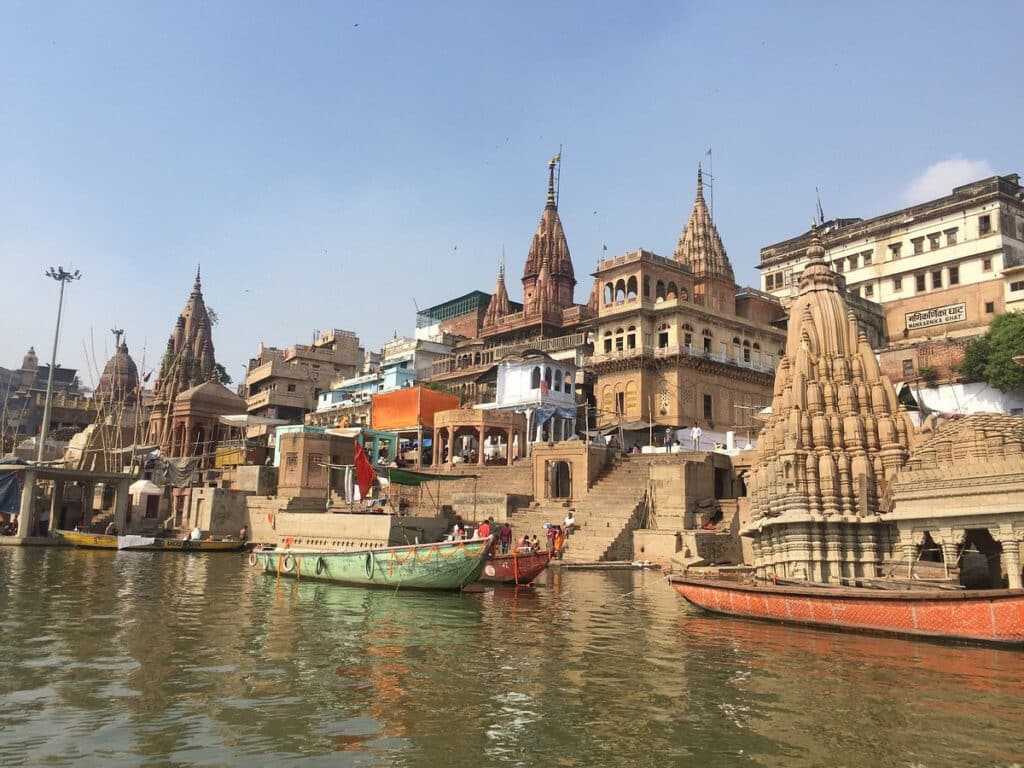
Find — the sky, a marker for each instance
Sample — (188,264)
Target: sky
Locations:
(336,165)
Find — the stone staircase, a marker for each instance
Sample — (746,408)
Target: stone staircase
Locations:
(605,518)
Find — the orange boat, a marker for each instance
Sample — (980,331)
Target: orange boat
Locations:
(514,568)
(984,615)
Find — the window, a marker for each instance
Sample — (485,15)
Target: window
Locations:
(1017,286)
(708,407)
(933,241)
(707,341)
(853,261)
(687,335)
(918,244)
(837,265)
(291,465)
(769,282)
(990,307)
(897,283)
(951,236)
(618,339)
(746,351)
(866,258)
(920,283)
(986,265)
(662,336)
(869,290)
(291,387)
(894,250)
(937,278)
(954,275)
(908,369)
(631,337)
(607,348)
(984,224)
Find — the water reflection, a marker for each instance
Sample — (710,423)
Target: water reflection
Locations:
(155,658)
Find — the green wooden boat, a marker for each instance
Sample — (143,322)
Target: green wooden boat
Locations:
(444,565)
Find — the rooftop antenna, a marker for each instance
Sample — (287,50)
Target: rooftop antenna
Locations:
(821,213)
(558,176)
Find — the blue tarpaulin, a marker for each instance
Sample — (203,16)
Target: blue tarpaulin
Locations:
(10,491)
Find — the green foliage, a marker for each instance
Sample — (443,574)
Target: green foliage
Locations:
(438,387)
(212,315)
(222,375)
(929,374)
(990,357)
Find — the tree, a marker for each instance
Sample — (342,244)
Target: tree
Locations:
(990,357)
(222,375)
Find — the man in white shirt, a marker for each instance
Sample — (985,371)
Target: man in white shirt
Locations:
(196,534)
(695,435)
(569,524)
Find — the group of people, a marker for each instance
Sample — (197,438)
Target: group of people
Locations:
(504,540)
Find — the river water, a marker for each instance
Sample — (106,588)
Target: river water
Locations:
(157,659)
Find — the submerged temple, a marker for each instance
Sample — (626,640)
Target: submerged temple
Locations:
(834,440)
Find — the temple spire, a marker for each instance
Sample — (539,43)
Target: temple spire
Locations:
(198,286)
(551,180)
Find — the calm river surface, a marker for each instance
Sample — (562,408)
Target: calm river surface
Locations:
(118,659)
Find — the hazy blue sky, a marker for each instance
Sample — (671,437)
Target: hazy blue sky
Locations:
(329,164)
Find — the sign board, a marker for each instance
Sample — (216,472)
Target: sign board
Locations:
(925,318)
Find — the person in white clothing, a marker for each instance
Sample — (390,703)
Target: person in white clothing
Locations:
(196,534)
(695,435)
(569,523)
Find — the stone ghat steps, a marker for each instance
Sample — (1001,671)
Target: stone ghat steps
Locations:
(601,517)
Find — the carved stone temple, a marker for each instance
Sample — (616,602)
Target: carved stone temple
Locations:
(844,482)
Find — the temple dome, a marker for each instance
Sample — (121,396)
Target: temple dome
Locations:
(119,381)
(700,246)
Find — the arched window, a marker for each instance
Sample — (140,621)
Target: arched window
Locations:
(631,337)
(609,293)
(647,287)
(663,336)
(558,380)
(659,291)
(746,351)
(547,376)
(619,339)
(535,378)
(687,335)
(476,359)
(631,288)
(620,291)
(684,294)
(672,292)
(607,342)
(735,349)
(567,382)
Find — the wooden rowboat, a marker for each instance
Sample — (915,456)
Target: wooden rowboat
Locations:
(146,543)
(515,568)
(445,565)
(988,615)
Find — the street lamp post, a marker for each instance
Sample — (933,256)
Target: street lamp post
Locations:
(63,277)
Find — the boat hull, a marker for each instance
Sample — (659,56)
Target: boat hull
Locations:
(145,543)
(442,566)
(514,568)
(988,616)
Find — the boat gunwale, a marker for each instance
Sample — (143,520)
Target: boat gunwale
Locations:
(827,591)
(399,548)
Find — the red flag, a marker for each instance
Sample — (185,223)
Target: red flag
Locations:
(365,474)
(543,387)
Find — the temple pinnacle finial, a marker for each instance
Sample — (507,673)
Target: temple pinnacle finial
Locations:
(551,178)
(700,182)
(199,282)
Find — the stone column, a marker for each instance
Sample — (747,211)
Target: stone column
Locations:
(56,502)
(121,504)
(451,445)
(419,447)
(88,492)
(27,511)
(1010,542)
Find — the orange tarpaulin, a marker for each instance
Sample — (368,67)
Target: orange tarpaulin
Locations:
(409,408)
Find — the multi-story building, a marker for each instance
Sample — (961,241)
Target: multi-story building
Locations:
(940,270)
(676,342)
(286,383)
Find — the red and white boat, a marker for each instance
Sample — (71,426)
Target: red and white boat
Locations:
(514,568)
(987,615)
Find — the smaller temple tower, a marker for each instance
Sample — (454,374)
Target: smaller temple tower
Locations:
(551,291)
(700,248)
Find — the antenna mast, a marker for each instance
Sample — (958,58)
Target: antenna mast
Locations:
(558,175)
(710,183)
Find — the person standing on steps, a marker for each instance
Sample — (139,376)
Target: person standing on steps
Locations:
(695,435)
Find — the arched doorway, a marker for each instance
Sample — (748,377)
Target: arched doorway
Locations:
(559,480)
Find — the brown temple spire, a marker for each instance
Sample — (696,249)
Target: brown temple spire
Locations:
(498,306)
(700,246)
(549,242)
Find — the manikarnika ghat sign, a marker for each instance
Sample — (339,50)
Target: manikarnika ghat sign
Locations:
(951,313)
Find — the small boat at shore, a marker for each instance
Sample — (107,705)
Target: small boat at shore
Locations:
(134,543)
(446,565)
(517,568)
(987,616)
